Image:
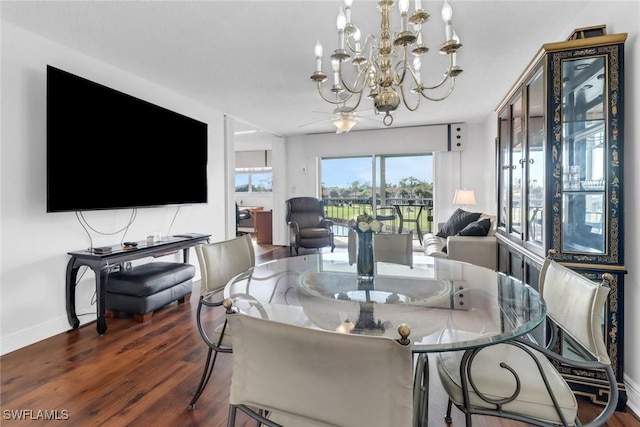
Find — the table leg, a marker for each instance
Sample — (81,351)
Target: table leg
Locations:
(101,291)
(72,274)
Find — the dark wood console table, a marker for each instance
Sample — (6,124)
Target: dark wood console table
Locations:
(100,263)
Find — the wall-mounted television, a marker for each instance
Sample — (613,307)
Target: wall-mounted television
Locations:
(110,150)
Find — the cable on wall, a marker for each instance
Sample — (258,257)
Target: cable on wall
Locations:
(85,225)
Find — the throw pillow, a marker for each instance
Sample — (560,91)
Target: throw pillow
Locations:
(476,228)
(457,221)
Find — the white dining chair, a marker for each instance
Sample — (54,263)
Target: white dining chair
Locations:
(286,375)
(519,379)
(387,247)
(393,248)
(219,262)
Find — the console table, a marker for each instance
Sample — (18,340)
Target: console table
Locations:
(100,263)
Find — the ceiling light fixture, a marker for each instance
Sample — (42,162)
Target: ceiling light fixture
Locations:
(344,123)
(391,68)
(245,132)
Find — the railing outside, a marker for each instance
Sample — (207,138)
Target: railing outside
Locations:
(341,210)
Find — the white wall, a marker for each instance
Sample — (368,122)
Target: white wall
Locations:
(35,243)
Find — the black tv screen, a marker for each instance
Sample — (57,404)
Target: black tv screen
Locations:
(110,150)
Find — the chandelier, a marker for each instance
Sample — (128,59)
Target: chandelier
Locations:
(387,65)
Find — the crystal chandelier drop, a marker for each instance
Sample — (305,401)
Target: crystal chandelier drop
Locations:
(386,65)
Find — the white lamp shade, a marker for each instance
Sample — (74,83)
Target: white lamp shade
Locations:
(464,197)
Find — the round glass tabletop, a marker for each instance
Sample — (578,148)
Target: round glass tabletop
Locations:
(448,305)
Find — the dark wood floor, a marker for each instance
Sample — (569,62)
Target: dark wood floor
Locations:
(145,375)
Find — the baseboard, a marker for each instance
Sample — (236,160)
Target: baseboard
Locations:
(633,396)
(39,332)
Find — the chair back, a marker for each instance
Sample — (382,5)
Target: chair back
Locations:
(221,261)
(387,247)
(575,304)
(395,248)
(308,212)
(328,377)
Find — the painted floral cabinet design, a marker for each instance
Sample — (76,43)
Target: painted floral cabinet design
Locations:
(560,176)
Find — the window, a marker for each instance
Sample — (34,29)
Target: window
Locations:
(349,185)
(396,177)
(254,180)
(253,172)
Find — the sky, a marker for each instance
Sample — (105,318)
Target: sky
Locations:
(342,172)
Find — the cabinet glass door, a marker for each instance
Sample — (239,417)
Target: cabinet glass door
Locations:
(517,161)
(504,168)
(535,159)
(583,155)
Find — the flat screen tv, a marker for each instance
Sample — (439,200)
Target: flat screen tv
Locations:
(110,150)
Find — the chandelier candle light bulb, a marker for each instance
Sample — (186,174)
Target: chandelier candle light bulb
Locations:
(404,8)
(341,23)
(347,8)
(356,38)
(318,52)
(447,14)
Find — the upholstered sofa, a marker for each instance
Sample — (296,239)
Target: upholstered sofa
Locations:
(465,239)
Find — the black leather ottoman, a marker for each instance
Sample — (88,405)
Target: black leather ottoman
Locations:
(148,287)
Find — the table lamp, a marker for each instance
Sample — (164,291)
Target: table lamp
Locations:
(464,198)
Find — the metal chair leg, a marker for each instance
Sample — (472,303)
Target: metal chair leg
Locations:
(231,419)
(421,392)
(206,374)
(447,417)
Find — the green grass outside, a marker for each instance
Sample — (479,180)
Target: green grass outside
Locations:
(342,214)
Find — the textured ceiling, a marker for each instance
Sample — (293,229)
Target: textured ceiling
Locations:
(252,59)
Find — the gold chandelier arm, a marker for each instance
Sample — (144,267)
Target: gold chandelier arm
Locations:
(346,109)
(369,42)
(446,76)
(451,88)
(402,66)
(361,75)
(331,101)
(404,100)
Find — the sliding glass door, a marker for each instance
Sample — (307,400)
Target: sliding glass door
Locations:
(376,185)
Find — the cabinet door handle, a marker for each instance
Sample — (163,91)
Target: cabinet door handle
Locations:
(521,161)
(530,161)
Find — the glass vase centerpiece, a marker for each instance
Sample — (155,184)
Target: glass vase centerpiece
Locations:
(365,227)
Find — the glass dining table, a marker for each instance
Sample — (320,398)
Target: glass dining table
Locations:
(448,305)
